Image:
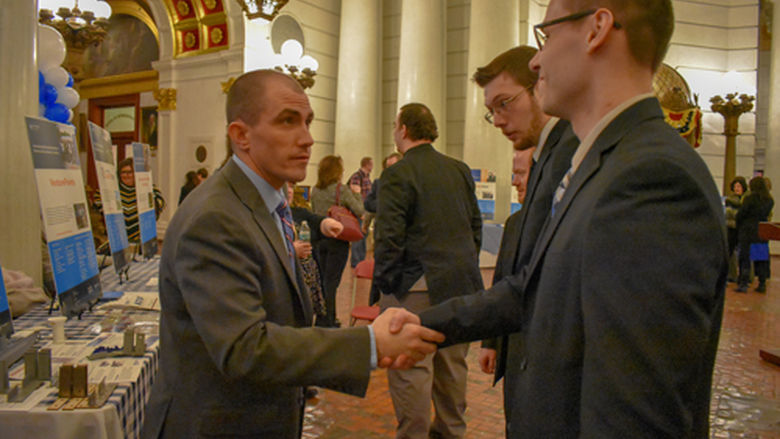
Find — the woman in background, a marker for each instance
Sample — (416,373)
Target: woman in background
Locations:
(733,202)
(332,253)
(756,206)
(189,185)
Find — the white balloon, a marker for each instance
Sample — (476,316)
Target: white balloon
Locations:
(292,51)
(68,97)
(308,62)
(51,47)
(56,76)
(41,110)
(70,115)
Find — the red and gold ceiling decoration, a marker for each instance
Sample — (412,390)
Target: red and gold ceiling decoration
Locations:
(199,26)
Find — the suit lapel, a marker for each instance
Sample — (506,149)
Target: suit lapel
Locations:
(248,194)
(608,139)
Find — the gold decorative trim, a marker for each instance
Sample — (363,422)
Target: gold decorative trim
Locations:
(214,18)
(216,35)
(133,9)
(211,4)
(128,83)
(166,99)
(227,84)
(183,8)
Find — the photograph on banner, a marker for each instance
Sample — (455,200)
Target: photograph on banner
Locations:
(485,188)
(6,324)
(144,197)
(64,214)
(109,195)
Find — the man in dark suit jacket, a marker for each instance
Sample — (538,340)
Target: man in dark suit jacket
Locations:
(512,101)
(620,305)
(236,342)
(428,233)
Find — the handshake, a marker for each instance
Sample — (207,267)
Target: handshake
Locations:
(401,341)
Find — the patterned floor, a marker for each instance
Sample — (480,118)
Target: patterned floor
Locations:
(746,389)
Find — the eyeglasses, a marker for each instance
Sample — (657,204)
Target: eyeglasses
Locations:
(541,36)
(501,107)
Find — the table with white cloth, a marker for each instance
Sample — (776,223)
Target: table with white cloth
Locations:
(122,415)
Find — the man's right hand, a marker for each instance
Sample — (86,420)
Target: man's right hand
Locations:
(405,347)
(487,360)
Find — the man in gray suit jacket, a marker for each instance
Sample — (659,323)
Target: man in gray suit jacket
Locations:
(619,308)
(236,342)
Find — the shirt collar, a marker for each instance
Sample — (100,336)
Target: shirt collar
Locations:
(587,142)
(548,127)
(271,197)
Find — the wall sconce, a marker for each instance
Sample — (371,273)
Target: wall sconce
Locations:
(293,62)
(267,9)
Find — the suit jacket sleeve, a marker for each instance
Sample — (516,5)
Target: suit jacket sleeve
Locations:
(476,215)
(633,371)
(219,274)
(395,201)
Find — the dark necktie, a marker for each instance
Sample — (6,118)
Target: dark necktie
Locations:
(561,190)
(283,210)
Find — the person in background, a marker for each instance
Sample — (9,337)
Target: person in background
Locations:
(332,253)
(428,235)
(360,181)
(370,202)
(203,174)
(318,226)
(756,207)
(127,194)
(191,182)
(522,160)
(733,202)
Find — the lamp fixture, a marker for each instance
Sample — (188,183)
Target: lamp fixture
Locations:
(267,9)
(293,62)
(82,23)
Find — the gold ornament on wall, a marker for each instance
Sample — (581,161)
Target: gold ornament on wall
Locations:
(211,4)
(183,7)
(189,40)
(216,35)
(227,84)
(166,98)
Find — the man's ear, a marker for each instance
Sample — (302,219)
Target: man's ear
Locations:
(238,131)
(601,25)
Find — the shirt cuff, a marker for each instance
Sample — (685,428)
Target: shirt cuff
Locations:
(373,346)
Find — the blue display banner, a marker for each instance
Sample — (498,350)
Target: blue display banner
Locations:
(64,214)
(109,195)
(144,196)
(6,324)
(515,207)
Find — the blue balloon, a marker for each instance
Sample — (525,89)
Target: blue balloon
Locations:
(41,81)
(47,95)
(57,112)
(70,81)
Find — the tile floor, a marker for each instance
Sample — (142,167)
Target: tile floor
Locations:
(746,389)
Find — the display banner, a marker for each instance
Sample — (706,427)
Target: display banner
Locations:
(515,207)
(6,325)
(144,196)
(109,195)
(485,188)
(64,214)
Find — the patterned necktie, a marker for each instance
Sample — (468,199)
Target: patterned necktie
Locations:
(283,210)
(560,190)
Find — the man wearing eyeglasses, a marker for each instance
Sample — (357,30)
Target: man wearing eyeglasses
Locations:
(620,306)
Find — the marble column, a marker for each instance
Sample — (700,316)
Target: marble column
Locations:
(358,128)
(20,229)
(422,73)
(494,27)
(772,164)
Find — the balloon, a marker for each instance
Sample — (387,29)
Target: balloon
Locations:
(47,95)
(70,80)
(51,47)
(41,80)
(41,110)
(68,97)
(57,113)
(292,51)
(56,76)
(70,116)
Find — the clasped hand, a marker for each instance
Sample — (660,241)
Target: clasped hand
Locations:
(401,341)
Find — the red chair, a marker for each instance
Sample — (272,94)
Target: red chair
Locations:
(363,270)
